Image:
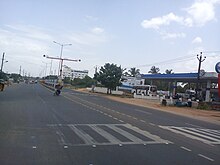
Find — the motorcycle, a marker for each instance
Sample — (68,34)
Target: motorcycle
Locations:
(57,90)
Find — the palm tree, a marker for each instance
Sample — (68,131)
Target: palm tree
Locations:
(169,71)
(133,72)
(154,70)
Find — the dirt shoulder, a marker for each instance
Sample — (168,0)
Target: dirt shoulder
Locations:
(204,115)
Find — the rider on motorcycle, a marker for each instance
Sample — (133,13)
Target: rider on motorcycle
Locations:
(58,87)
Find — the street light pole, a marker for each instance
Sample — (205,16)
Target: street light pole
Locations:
(61,53)
(61,60)
(3,58)
(201,59)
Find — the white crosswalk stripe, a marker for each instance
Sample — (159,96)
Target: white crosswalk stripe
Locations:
(208,136)
(113,134)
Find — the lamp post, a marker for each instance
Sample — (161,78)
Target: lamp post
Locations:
(61,60)
(61,53)
(3,58)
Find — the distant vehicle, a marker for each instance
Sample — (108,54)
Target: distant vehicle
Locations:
(190,94)
(127,83)
(146,90)
(31,81)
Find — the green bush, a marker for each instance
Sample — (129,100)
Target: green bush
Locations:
(204,106)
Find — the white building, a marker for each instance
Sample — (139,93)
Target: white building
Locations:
(79,74)
(68,72)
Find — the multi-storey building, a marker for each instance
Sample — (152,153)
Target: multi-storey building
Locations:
(68,72)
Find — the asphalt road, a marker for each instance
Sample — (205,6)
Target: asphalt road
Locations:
(85,129)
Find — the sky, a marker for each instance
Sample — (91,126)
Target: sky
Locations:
(130,33)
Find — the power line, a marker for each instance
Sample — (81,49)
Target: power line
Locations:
(176,60)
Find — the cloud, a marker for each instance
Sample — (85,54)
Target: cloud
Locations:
(198,14)
(97,30)
(30,31)
(166,35)
(91,18)
(93,37)
(201,12)
(156,22)
(197,40)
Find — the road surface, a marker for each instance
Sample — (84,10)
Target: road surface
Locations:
(85,129)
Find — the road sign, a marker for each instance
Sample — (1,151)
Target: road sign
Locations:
(217,67)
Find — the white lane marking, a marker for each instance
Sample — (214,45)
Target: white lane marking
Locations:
(143,121)
(193,125)
(148,113)
(152,124)
(134,118)
(193,134)
(212,160)
(84,136)
(187,149)
(105,134)
(34,147)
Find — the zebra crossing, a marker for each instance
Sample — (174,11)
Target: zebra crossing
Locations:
(208,136)
(103,134)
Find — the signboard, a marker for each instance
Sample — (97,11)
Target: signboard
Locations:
(219,85)
(217,67)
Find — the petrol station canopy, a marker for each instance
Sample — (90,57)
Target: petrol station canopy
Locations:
(183,77)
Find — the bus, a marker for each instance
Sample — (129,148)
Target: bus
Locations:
(147,90)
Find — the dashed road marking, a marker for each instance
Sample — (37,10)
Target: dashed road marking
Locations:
(152,124)
(206,157)
(138,110)
(184,148)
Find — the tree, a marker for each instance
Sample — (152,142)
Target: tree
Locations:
(83,83)
(169,71)
(16,77)
(109,76)
(133,72)
(154,70)
(3,76)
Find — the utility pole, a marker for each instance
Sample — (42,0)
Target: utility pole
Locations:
(201,59)
(3,56)
(20,70)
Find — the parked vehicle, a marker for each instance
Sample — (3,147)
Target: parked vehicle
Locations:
(146,90)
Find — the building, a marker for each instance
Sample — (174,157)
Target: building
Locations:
(79,74)
(207,78)
(68,72)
